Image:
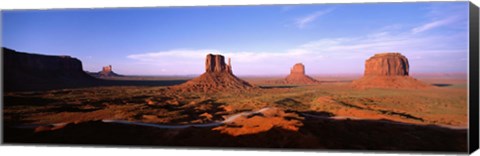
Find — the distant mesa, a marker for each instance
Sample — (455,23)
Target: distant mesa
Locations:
(297,76)
(387,70)
(217,76)
(25,71)
(106,72)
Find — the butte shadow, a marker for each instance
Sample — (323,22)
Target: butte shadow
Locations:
(287,131)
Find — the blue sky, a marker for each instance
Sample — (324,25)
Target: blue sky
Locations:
(261,40)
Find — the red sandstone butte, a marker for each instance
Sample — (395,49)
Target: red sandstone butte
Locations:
(387,70)
(217,76)
(107,71)
(297,76)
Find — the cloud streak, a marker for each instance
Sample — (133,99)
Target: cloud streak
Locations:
(347,54)
(427,52)
(302,22)
(433,24)
(440,15)
(172,54)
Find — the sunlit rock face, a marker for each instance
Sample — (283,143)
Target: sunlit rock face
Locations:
(297,76)
(387,64)
(216,63)
(387,70)
(298,69)
(217,76)
(107,71)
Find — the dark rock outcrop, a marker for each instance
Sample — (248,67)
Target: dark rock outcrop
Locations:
(297,76)
(217,76)
(25,72)
(387,70)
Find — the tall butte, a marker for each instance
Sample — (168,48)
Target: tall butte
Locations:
(387,70)
(297,76)
(217,76)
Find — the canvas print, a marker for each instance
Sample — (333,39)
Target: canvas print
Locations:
(371,76)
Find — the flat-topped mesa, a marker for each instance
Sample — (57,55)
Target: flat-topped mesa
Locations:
(297,76)
(216,63)
(34,72)
(387,70)
(218,76)
(40,63)
(387,64)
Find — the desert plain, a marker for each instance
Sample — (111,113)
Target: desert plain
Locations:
(219,109)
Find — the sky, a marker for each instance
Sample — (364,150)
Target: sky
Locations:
(260,40)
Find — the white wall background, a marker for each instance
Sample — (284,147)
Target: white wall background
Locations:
(89,151)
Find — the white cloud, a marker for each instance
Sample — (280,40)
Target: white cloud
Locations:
(444,15)
(176,53)
(189,54)
(427,52)
(304,21)
(329,55)
(433,24)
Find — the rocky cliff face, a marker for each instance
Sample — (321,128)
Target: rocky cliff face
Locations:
(387,64)
(216,63)
(43,63)
(298,69)
(24,71)
(217,76)
(387,70)
(297,76)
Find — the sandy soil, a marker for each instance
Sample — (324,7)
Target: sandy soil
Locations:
(330,115)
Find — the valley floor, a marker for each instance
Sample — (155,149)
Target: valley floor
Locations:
(330,115)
